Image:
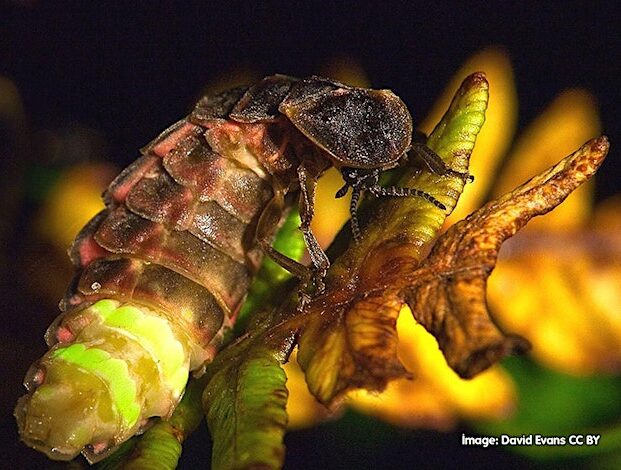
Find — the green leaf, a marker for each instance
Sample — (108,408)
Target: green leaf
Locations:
(245,405)
(157,449)
(245,397)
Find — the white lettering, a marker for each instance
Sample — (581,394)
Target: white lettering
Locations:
(483,441)
(523,440)
(549,440)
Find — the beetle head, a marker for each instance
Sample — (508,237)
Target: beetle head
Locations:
(357,127)
(358,179)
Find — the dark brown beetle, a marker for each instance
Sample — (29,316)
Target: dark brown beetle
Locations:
(360,131)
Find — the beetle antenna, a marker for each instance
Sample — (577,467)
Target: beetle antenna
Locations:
(353,210)
(406,192)
(341,192)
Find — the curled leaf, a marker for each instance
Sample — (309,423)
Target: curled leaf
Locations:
(245,397)
(566,123)
(500,117)
(157,449)
(354,348)
(245,405)
(453,306)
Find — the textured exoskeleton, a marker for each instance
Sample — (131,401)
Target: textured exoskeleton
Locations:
(162,271)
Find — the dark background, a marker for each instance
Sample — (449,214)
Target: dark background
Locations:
(130,72)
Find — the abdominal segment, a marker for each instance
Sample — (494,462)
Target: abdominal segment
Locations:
(161,274)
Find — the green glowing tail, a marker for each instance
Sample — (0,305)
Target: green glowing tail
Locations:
(123,364)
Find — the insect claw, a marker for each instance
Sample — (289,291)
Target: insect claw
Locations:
(312,285)
(320,285)
(465,176)
(304,299)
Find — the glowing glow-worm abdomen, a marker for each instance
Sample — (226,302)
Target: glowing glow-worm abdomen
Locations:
(161,274)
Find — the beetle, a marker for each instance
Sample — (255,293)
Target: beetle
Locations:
(166,265)
(360,131)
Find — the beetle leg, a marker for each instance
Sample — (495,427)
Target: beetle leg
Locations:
(321,263)
(433,160)
(297,269)
(269,219)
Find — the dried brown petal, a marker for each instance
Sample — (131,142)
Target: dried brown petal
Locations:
(350,348)
(453,306)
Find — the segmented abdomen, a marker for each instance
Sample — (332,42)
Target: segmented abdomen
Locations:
(178,231)
(162,272)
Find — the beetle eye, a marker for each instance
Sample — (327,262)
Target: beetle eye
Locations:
(350,175)
(359,177)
